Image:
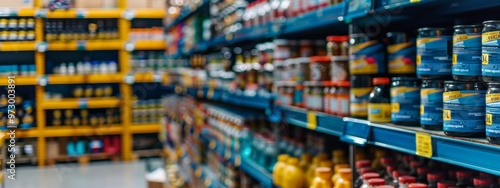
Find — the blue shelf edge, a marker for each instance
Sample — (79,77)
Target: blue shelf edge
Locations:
(185,13)
(473,153)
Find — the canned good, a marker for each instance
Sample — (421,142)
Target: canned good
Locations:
(431,104)
(342,95)
(340,68)
(302,70)
(320,68)
(298,96)
(493,113)
(367,55)
(361,87)
(401,52)
(405,101)
(330,98)
(464,108)
(434,53)
(467,52)
(281,50)
(337,45)
(491,51)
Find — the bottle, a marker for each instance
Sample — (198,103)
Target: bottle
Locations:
(278,169)
(388,173)
(379,105)
(422,174)
(305,161)
(322,179)
(464,178)
(375,182)
(433,178)
(364,170)
(293,176)
(446,184)
(345,179)
(396,174)
(338,157)
(367,177)
(404,181)
(483,182)
(359,165)
(315,163)
(336,169)
(417,185)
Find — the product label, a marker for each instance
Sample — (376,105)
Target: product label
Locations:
(334,105)
(298,97)
(367,58)
(343,105)
(464,111)
(379,112)
(431,109)
(493,115)
(434,55)
(402,58)
(491,53)
(405,104)
(359,101)
(467,54)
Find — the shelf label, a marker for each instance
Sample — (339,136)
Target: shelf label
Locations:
(423,144)
(41,47)
(129,14)
(157,77)
(81,13)
(237,161)
(41,13)
(130,46)
(81,45)
(83,103)
(414,1)
(210,93)
(42,81)
(312,122)
(129,79)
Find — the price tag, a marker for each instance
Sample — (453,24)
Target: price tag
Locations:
(83,103)
(129,46)
(237,161)
(424,144)
(42,81)
(414,1)
(129,14)
(41,47)
(311,120)
(129,79)
(210,93)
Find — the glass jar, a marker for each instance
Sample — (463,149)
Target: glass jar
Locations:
(320,68)
(401,52)
(493,113)
(379,106)
(340,68)
(467,52)
(405,101)
(431,104)
(434,53)
(361,87)
(366,55)
(491,51)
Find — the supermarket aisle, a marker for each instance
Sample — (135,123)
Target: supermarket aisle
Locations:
(97,174)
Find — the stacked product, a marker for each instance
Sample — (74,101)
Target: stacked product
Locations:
(17,29)
(17,70)
(146,111)
(86,67)
(81,29)
(152,61)
(84,117)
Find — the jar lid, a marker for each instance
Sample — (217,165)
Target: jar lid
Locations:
(431,28)
(337,38)
(435,176)
(376,182)
(417,185)
(398,173)
(483,181)
(466,26)
(363,163)
(367,170)
(387,160)
(407,179)
(370,175)
(344,84)
(320,59)
(465,174)
(381,80)
(446,184)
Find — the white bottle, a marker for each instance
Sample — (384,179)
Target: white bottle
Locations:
(95,68)
(80,68)
(103,68)
(63,69)
(112,67)
(71,69)
(87,67)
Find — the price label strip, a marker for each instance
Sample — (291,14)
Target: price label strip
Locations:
(312,121)
(423,144)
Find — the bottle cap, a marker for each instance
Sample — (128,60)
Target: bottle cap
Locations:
(283,157)
(320,59)
(381,80)
(293,161)
(376,182)
(423,170)
(433,176)
(387,160)
(370,175)
(415,163)
(480,181)
(367,170)
(398,173)
(343,83)
(323,171)
(452,174)
(482,174)
(363,163)
(407,179)
(446,184)
(385,186)
(417,185)
(390,169)
(465,174)
(340,166)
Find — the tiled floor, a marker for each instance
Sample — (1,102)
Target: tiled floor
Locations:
(71,175)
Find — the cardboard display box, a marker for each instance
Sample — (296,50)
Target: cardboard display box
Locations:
(17,3)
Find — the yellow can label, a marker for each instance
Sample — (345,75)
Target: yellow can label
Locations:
(379,112)
(492,98)
(490,36)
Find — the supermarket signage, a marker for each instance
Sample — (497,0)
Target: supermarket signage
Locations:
(423,144)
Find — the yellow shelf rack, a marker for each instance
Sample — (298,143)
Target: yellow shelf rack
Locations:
(17,46)
(64,131)
(23,81)
(90,79)
(146,128)
(149,13)
(87,45)
(30,133)
(21,12)
(81,103)
(84,13)
(150,45)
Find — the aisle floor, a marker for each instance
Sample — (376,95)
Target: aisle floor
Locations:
(71,175)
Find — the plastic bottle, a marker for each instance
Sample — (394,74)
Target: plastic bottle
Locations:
(345,179)
(336,169)
(367,177)
(364,170)
(483,182)
(338,157)
(359,165)
(405,181)
(396,174)
(388,173)
(417,185)
(293,176)
(278,169)
(305,161)
(315,163)
(322,179)
(379,106)
(433,178)
(375,182)
(465,178)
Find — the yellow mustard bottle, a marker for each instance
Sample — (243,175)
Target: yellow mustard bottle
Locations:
(293,176)
(345,180)
(326,163)
(315,163)
(322,179)
(305,161)
(336,169)
(338,157)
(278,169)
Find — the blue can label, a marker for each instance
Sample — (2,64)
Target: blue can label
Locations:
(434,55)
(402,58)
(367,58)
(491,53)
(493,115)
(298,96)
(467,54)
(405,102)
(464,111)
(431,109)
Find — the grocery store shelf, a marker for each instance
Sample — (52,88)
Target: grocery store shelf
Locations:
(145,128)
(331,17)
(22,81)
(149,13)
(82,13)
(187,12)
(150,45)
(210,180)
(85,45)
(17,46)
(474,153)
(82,79)
(81,103)
(147,77)
(15,12)
(66,131)
(29,133)
(240,99)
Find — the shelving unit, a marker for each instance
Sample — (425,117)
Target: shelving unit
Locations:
(42,79)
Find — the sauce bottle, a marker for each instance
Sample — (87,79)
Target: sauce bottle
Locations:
(322,179)
(345,179)
(405,181)
(379,106)
(336,169)
(278,169)
(293,176)
(433,178)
